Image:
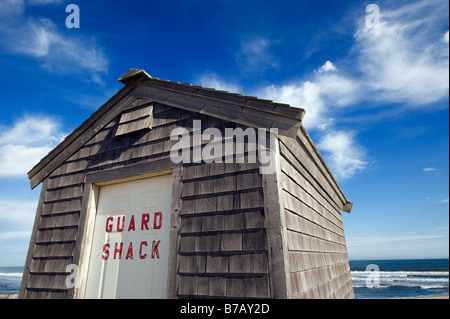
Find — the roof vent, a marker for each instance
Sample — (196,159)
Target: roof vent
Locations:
(136,119)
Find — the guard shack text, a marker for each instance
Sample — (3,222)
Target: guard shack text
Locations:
(131,250)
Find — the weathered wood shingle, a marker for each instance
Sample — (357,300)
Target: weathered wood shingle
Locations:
(222,217)
(317,254)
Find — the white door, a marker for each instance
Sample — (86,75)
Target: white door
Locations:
(130,247)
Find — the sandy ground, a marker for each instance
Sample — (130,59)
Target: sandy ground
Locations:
(434,297)
(8,296)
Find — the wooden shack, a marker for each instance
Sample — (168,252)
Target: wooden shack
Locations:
(118,217)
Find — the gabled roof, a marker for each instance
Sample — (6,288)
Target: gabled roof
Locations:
(244,110)
(247,110)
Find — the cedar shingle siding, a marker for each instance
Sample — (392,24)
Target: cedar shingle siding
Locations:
(316,249)
(241,234)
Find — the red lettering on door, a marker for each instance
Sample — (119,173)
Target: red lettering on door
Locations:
(145,219)
(131,227)
(105,251)
(157,224)
(130,251)
(118,250)
(155,249)
(143,243)
(108,225)
(158,216)
(119,228)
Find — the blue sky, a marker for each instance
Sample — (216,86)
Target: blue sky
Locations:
(376,95)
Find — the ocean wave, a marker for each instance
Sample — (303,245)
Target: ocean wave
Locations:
(433,287)
(11,274)
(400,286)
(425,275)
(402,279)
(402,273)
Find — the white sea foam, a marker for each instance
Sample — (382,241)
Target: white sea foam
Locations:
(411,285)
(12,274)
(409,279)
(405,274)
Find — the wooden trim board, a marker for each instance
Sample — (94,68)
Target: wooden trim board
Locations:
(275,232)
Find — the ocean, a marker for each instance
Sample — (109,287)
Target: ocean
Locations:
(392,278)
(10,278)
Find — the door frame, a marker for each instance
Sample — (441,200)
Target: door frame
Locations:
(92,184)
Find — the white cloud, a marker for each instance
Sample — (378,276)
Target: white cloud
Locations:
(319,97)
(343,155)
(38,42)
(17,212)
(327,67)
(213,81)
(429,169)
(304,95)
(444,201)
(339,90)
(17,234)
(57,52)
(62,53)
(445,37)
(25,143)
(405,59)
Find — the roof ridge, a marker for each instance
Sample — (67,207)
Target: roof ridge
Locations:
(140,74)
